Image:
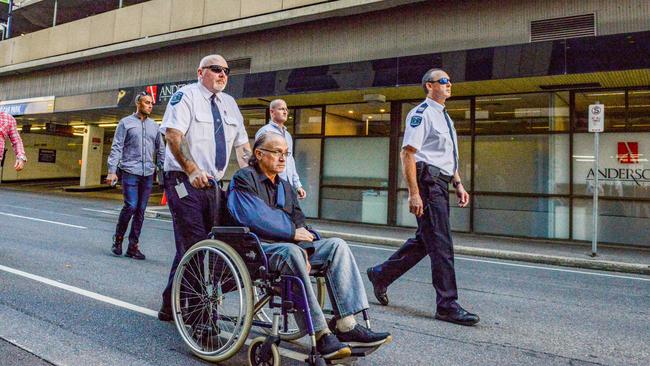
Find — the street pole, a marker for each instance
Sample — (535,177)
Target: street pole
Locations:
(594,242)
(596,125)
(11,6)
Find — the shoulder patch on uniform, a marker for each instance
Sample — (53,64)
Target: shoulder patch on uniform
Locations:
(176,98)
(415,121)
(422,107)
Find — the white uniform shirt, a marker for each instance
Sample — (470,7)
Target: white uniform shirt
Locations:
(427,132)
(290,173)
(189,111)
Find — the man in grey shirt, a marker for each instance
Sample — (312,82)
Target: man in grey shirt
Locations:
(136,143)
(279,115)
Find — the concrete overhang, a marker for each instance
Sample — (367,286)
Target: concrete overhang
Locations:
(240,26)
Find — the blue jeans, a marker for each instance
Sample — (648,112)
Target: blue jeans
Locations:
(136,190)
(344,283)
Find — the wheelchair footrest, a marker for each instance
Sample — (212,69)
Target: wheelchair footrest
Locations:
(363,351)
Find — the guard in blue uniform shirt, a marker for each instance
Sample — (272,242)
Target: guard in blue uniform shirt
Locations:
(430,161)
(201,125)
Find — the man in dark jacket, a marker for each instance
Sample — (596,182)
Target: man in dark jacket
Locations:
(268,205)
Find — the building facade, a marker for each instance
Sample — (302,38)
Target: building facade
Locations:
(524,74)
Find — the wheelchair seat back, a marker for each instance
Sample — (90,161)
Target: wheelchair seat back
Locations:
(247,245)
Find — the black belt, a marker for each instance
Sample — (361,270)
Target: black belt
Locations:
(432,172)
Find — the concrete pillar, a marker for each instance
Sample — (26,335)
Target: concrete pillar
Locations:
(91,156)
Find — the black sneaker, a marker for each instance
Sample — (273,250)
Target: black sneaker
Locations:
(165,314)
(361,336)
(133,251)
(330,348)
(117,245)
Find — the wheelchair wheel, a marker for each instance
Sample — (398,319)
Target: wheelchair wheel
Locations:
(212,300)
(257,356)
(293,332)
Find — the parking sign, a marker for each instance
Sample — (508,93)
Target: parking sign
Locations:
(596,118)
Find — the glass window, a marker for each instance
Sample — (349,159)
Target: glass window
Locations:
(363,119)
(624,170)
(307,154)
(458,217)
(530,113)
(638,109)
(614,102)
(458,111)
(358,205)
(308,121)
(254,119)
(521,216)
(522,163)
(623,222)
(360,162)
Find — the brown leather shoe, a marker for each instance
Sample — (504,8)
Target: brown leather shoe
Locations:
(378,289)
(133,251)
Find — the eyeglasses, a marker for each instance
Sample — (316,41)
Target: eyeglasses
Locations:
(217,69)
(277,154)
(442,81)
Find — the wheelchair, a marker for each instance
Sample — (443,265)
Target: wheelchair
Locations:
(223,287)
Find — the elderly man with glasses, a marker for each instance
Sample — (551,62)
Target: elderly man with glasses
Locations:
(260,199)
(430,160)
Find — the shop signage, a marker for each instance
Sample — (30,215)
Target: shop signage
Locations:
(60,130)
(596,118)
(46,156)
(28,106)
(167,90)
(628,152)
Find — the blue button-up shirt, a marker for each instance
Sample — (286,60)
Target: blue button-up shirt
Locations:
(290,172)
(135,144)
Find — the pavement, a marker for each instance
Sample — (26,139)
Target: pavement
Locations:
(618,258)
(66,300)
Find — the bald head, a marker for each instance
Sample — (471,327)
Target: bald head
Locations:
(212,74)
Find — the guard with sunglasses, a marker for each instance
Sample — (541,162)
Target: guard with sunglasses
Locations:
(430,161)
(201,125)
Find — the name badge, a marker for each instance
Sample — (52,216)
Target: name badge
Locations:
(181,190)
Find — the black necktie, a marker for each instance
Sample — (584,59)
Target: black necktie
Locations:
(453,141)
(219,135)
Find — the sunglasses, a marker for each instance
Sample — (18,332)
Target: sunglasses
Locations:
(217,69)
(442,81)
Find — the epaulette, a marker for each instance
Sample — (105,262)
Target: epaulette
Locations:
(422,107)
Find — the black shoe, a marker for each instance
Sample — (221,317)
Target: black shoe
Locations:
(133,251)
(379,290)
(361,336)
(165,314)
(457,316)
(117,245)
(330,348)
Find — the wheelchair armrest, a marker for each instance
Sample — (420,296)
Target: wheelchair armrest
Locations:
(229,230)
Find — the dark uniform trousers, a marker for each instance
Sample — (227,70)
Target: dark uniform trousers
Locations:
(193,218)
(433,237)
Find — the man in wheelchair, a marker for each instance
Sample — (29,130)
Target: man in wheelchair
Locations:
(268,205)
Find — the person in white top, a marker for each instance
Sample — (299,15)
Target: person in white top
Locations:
(279,115)
(430,159)
(201,125)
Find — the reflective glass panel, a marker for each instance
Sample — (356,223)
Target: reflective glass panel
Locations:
(308,121)
(623,222)
(458,217)
(254,119)
(522,163)
(307,155)
(458,110)
(521,216)
(639,109)
(614,102)
(363,119)
(360,162)
(522,113)
(357,205)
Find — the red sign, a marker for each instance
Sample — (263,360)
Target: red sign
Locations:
(153,91)
(628,152)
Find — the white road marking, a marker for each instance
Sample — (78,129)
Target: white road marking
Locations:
(123,304)
(41,220)
(517,265)
(115,213)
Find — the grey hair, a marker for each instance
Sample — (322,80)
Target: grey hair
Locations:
(428,77)
(259,143)
(206,61)
(275,103)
